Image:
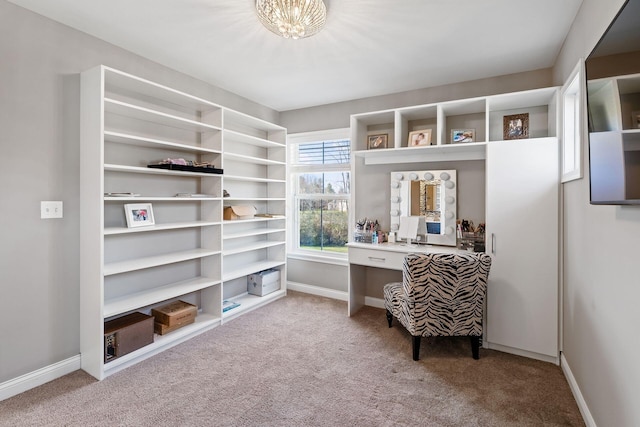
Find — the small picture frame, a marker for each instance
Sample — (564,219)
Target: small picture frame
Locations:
(463,135)
(516,126)
(375,142)
(139,214)
(419,138)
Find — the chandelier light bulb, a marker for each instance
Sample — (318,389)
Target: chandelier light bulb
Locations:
(292,18)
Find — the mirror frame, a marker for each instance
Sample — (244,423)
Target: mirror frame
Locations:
(448,193)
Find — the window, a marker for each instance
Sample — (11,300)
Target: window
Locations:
(571,125)
(320,164)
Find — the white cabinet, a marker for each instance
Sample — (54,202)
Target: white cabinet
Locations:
(128,123)
(522,238)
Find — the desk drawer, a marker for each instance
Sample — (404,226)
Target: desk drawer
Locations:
(376,258)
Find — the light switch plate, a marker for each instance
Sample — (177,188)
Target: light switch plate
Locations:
(50,209)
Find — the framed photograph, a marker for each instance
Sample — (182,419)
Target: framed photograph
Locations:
(516,126)
(419,138)
(375,142)
(139,214)
(462,135)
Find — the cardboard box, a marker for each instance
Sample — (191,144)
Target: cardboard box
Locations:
(239,212)
(177,313)
(264,282)
(127,334)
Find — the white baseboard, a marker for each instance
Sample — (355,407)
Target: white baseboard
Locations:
(577,394)
(374,302)
(38,377)
(318,290)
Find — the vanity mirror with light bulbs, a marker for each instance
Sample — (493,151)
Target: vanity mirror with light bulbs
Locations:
(430,194)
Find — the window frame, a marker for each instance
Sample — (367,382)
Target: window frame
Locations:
(573,98)
(293,141)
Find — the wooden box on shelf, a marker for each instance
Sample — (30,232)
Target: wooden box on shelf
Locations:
(239,212)
(173,316)
(127,334)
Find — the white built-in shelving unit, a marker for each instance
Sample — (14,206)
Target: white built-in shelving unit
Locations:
(522,191)
(190,253)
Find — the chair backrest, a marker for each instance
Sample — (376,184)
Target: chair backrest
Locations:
(437,277)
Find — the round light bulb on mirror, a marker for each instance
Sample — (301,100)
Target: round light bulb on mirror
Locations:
(395,199)
(395,212)
(413,176)
(395,184)
(449,199)
(428,176)
(449,184)
(445,176)
(394,227)
(449,215)
(448,230)
(399,176)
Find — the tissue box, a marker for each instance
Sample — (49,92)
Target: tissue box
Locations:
(263,283)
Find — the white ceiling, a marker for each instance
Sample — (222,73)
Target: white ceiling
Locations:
(368,47)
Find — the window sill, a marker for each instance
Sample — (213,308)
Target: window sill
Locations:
(343,261)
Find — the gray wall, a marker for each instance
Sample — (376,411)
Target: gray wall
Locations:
(39,138)
(335,116)
(601,281)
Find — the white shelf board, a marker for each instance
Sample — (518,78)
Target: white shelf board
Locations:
(159,199)
(133,84)
(238,221)
(257,199)
(250,302)
(250,269)
(162,342)
(432,153)
(138,300)
(253,232)
(158,227)
(155,171)
(251,159)
(252,247)
(233,136)
(232,117)
(149,115)
(154,261)
(252,179)
(124,138)
(525,99)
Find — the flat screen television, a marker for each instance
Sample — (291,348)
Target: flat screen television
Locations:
(613,103)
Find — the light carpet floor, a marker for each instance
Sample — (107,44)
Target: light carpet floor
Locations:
(301,361)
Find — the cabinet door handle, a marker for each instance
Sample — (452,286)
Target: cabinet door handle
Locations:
(373,258)
(493,243)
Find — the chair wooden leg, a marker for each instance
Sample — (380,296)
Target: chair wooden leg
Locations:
(475,347)
(389,317)
(416,347)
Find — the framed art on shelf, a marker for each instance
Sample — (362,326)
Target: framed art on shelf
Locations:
(375,142)
(516,126)
(419,138)
(139,214)
(463,135)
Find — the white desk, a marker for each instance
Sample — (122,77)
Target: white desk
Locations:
(384,255)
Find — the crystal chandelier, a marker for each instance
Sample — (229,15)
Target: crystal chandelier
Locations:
(292,18)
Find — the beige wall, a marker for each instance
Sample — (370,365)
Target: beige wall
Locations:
(601,275)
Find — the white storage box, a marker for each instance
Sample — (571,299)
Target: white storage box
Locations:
(264,282)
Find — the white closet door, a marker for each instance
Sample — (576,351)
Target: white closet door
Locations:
(522,239)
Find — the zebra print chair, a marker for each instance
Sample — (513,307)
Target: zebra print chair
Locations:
(440,295)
